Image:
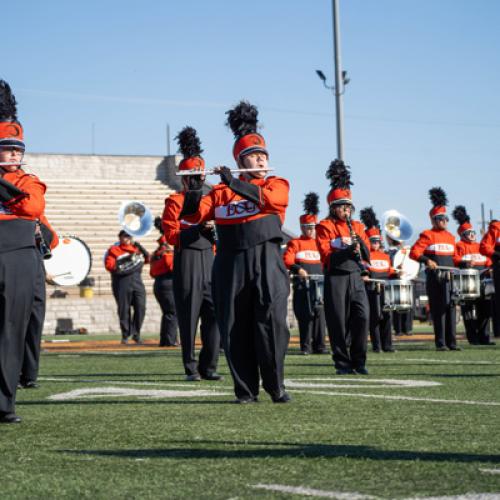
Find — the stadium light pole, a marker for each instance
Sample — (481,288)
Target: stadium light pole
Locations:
(341,81)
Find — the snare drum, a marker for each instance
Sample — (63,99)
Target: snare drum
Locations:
(466,284)
(487,288)
(398,295)
(70,263)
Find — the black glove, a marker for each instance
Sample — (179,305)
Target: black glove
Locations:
(496,257)
(8,192)
(226,175)
(465,264)
(195,182)
(141,249)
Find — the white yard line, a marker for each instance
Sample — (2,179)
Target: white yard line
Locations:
(449,361)
(117,382)
(357,382)
(401,398)
(311,492)
(100,392)
(490,471)
(344,495)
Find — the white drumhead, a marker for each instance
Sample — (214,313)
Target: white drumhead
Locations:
(70,263)
(409,266)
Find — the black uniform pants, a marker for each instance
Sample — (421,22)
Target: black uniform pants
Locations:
(347,315)
(380,322)
(251,289)
(29,370)
(164,292)
(193,302)
(18,271)
(310,317)
(476,315)
(402,322)
(495,302)
(442,309)
(130,296)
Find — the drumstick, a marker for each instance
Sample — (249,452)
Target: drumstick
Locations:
(62,274)
(11,164)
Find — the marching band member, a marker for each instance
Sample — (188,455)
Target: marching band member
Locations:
(250,281)
(380,269)
(467,256)
(490,247)
(343,246)
(435,248)
(125,260)
(193,261)
(46,239)
(402,321)
(302,258)
(162,270)
(22,204)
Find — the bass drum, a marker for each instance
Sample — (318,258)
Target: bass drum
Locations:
(70,263)
(409,266)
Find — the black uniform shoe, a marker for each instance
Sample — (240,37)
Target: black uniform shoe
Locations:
(31,384)
(390,350)
(361,371)
(455,348)
(284,398)
(194,377)
(124,341)
(321,351)
(212,376)
(245,400)
(490,342)
(442,348)
(9,418)
(376,350)
(344,371)
(138,341)
(305,353)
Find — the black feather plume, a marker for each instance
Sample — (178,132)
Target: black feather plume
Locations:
(242,119)
(339,175)
(8,104)
(438,197)
(460,215)
(368,218)
(311,204)
(189,142)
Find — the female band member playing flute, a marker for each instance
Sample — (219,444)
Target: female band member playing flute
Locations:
(250,282)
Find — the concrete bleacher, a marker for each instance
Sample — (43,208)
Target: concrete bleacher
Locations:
(84,194)
(88,209)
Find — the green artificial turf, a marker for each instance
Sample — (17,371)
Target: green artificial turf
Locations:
(108,447)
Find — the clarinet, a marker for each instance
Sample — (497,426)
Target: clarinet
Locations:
(354,239)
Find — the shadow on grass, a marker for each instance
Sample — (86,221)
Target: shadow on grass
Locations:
(222,449)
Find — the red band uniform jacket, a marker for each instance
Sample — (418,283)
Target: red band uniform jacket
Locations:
(435,244)
(302,253)
(162,260)
(333,237)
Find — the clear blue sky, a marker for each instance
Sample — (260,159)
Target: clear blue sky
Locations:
(422,108)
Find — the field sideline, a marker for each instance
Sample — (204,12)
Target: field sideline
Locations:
(126,425)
